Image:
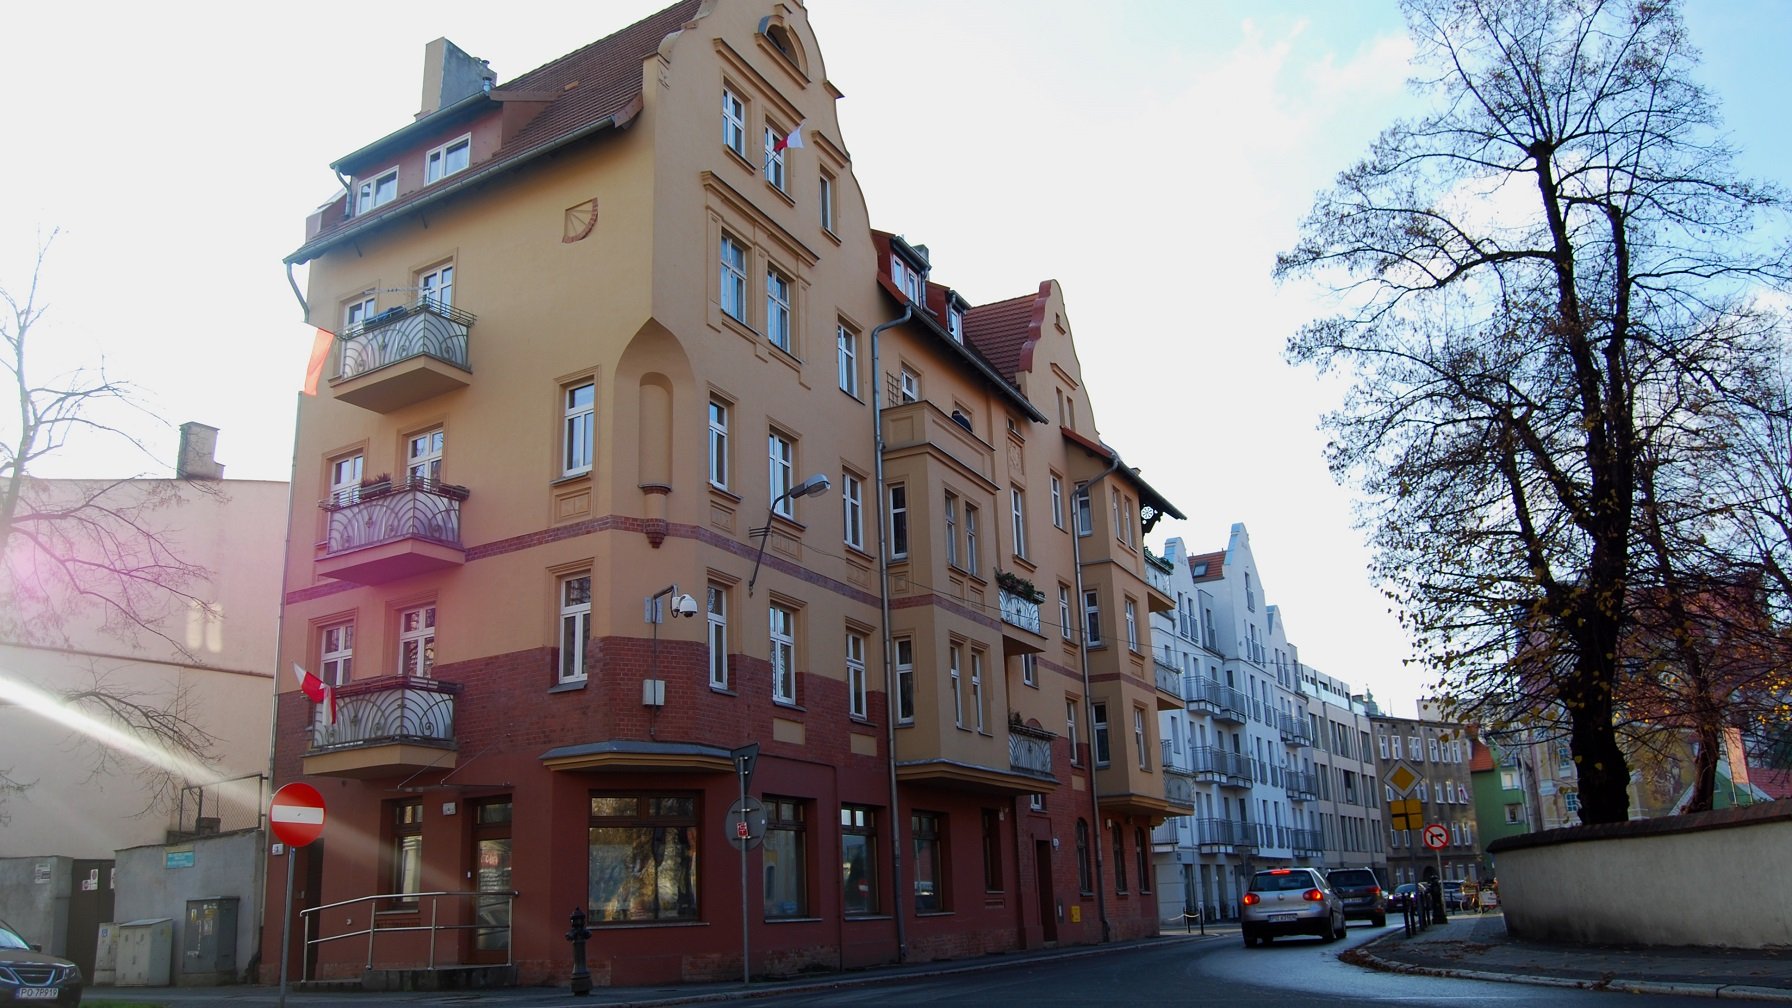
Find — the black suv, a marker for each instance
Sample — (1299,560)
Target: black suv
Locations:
(1362,894)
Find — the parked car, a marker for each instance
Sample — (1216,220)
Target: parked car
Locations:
(1404,893)
(1362,894)
(1285,901)
(29,975)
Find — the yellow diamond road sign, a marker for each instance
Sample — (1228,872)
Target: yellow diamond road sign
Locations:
(1402,779)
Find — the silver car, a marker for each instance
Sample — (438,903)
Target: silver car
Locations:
(1288,901)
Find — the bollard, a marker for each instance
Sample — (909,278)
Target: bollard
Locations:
(581,974)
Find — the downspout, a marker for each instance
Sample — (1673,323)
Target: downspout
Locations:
(1099,827)
(883,601)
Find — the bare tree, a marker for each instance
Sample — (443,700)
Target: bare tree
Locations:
(89,554)
(1548,287)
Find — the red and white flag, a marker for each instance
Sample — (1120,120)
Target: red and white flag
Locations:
(795,139)
(320,692)
(320,355)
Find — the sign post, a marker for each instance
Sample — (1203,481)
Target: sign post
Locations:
(746,758)
(296,816)
(1437,838)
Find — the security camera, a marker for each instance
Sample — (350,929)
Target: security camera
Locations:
(684,605)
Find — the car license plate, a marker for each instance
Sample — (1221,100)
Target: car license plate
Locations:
(37,993)
(1282,918)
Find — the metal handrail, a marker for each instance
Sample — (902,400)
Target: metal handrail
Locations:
(373,930)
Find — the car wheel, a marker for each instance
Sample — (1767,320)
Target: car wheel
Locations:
(1343,927)
(1250,940)
(1379,920)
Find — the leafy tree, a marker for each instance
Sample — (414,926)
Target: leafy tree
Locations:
(1548,316)
(83,555)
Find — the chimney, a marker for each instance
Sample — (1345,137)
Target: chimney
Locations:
(449,75)
(198,443)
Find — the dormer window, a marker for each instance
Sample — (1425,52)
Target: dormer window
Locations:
(908,279)
(955,323)
(378,190)
(447,159)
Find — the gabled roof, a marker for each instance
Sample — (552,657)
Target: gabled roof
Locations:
(1776,782)
(1208,566)
(1480,757)
(1148,495)
(587,91)
(1006,331)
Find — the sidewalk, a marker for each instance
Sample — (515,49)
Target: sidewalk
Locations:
(1476,947)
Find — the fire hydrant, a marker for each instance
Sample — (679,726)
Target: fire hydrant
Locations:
(579,935)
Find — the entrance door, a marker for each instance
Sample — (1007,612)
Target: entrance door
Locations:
(1048,902)
(491,874)
(89,906)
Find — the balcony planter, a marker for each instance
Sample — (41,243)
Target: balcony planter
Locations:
(376,486)
(1014,584)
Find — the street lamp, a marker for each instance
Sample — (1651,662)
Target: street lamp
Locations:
(816,484)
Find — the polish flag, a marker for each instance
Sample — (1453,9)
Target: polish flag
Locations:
(319,691)
(320,355)
(795,139)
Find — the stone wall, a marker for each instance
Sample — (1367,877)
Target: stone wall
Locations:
(1711,879)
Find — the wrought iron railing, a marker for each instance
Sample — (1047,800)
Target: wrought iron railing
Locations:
(418,508)
(1224,702)
(1179,786)
(1030,749)
(1158,579)
(1234,767)
(1301,785)
(1307,842)
(1017,610)
(1168,678)
(426,328)
(390,709)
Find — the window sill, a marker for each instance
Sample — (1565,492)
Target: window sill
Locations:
(772,187)
(860,918)
(789,705)
(792,920)
(723,690)
(572,686)
(862,720)
(565,478)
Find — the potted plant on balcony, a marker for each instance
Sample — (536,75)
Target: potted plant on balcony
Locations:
(1016,585)
(375,486)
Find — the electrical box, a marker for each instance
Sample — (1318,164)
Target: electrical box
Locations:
(145,952)
(208,954)
(105,955)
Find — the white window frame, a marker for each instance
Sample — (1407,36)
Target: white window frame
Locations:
(734,122)
(1132,625)
(951,516)
(852,505)
(774,158)
(778,319)
(1100,735)
(1070,730)
(846,354)
(454,156)
(1079,502)
(1066,618)
(336,652)
(904,701)
(1029,669)
(909,385)
(781,469)
(732,257)
(715,607)
(423,455)
(954,658)
(858,694)
(422,637)
(1017,510)
(718,444)
(782,631)
(436,285)
(1138,738)
(977,688)
(359,310)
(955,323)
(575,627)
(346,472)
(970,537)
(826,186)
(1092,617)
(1057,501)
(898,509)
(376,190)
(578,431)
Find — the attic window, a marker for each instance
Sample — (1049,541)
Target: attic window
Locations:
(786,44)
(1200,569)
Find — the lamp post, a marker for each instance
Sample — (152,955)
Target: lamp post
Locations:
(816,484)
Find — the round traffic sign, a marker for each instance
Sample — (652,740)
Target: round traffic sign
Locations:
(1436,837)
(297,814)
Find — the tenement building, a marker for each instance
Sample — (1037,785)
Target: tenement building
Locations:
(677,548)
(1425,772)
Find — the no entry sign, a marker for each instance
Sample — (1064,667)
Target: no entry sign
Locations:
(297,814)
(1436,837)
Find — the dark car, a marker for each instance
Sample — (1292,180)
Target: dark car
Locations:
(30,976)
(1362,894)
(1403,894)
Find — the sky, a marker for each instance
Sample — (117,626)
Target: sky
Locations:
(1152,157)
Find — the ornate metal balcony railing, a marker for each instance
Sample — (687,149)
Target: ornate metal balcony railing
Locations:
(1018,610)
(421,509)
(1168,678)
(1179,785)
(1030,749)
(425,328)
(1156,578)
(387,710)
(1294,729)
(1225,833)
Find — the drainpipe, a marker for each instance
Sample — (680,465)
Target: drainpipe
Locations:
(883,601)
(1099,827)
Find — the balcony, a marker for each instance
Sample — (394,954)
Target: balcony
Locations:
(1306,842)
(1179,782)
(1169,685)
(1030,750)
(1222,836)
(403,356)
(1294,729)
(391,725)
(1223,702)
(379,536)
(1018,610)
(1221,766)
(1301,785)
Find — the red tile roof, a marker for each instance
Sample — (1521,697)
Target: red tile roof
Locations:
(586,89)
(1005,332)
(1480,757)
(1208,566)
(1776,782)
